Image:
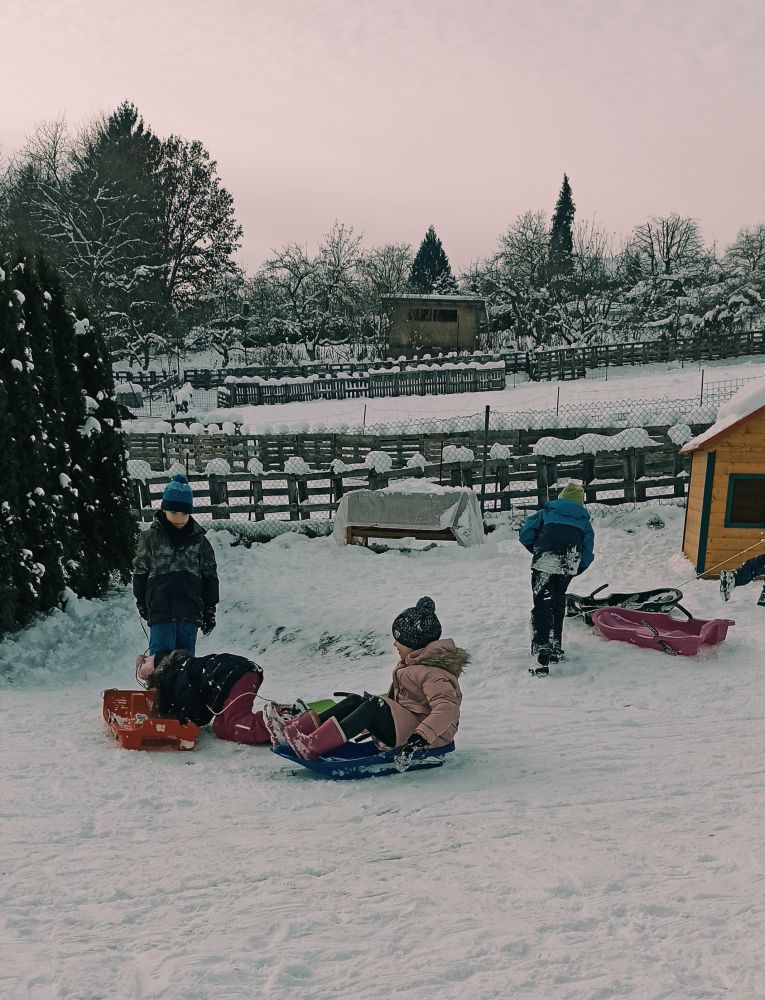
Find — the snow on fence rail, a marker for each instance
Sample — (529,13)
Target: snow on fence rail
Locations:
(193,451)
(632,475)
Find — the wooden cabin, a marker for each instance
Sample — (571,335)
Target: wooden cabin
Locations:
(433,323)
(725,514)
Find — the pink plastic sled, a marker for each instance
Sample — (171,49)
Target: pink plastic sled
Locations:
(658,631)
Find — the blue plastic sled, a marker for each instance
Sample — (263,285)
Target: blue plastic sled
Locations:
(363,760)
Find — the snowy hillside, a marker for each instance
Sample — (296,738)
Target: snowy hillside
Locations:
(598,834)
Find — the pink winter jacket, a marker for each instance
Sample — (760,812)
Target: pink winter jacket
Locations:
(425,695)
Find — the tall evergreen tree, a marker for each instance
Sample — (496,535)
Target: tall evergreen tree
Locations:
(107,528)
(14,574)
(431,272)
(561,259)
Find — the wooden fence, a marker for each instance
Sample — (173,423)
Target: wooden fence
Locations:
(547,364)
(525,482)
(194,451)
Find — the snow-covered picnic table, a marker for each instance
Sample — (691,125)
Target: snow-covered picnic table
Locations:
(411,508)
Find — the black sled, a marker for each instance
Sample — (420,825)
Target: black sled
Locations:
(661,600)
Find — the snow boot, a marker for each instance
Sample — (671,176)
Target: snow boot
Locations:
(275,718)
(301,725)
(727,583)
(544,658)
(328,737)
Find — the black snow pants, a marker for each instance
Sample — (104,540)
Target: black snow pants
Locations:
(549,592)
(358,713)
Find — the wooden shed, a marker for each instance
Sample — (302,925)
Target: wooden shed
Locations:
(434,323)
(725,515)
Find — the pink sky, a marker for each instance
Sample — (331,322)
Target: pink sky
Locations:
(391,114)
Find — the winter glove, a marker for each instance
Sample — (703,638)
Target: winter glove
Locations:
(404,756)
(208,620)
(142,611)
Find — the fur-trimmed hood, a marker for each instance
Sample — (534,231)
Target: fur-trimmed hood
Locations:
(442,654)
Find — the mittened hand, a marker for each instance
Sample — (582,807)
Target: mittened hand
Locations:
(208,620)
(403,758)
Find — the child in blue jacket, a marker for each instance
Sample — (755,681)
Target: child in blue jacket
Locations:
(561,540)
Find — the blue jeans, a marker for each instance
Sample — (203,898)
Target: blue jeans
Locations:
(750,569)
(173,635)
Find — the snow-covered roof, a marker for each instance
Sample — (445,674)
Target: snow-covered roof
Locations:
(437,298)
(747,403)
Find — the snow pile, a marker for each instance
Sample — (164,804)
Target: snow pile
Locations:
(416,461)
(296,466)
(500,452)
(338,466)
(746,401)
(255,467)
(217,467)
(176,469)
(591,444)
(679,433)
(453,453)
(184,395)
(380,461)
(138,469)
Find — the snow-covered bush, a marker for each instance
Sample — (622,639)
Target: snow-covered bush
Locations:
(680,434)
(255,467)
(500,452)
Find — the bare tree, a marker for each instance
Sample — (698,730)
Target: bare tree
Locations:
(668,243)
(524,249)
(747,252)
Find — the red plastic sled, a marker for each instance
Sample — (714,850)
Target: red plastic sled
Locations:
(131,717)
(659,631)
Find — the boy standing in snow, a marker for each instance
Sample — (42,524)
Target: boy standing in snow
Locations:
(561,540)
(175,580)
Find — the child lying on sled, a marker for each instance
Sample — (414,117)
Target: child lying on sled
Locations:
(421,709)
(219,688)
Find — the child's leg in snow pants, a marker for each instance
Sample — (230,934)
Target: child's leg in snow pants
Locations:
(359,713)
(549,591)
(751,568)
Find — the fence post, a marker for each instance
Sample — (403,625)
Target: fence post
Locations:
(485,455)
(628,460)
(503,481)
(542,482)
(701,392)
(588,474)
(302,491)
(640,489)
(256,498)
(219,496)
(141,497)
(336,481)
(293,498)
(377,480)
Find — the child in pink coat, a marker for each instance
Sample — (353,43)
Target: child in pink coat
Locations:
(421,709)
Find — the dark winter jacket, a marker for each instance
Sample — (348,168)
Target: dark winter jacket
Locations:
(195,688)
(174,572)
(560,527)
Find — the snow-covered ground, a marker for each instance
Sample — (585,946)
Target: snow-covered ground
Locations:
(597,835)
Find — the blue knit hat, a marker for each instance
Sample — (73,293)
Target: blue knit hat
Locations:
(177,495)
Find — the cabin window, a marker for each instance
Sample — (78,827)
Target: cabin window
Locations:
(445,315)
(746,502)
(420,315)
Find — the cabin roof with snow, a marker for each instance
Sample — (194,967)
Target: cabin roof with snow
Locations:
(746,405)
